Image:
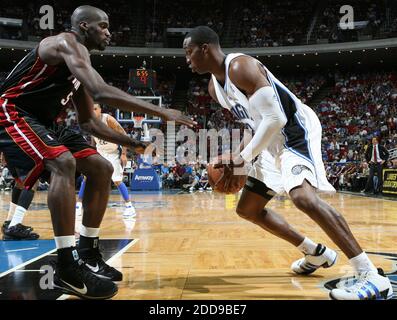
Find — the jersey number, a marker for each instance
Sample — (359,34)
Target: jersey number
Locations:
(76,85)
(240,112)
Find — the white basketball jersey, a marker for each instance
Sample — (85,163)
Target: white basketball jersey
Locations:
(102,146)
(293,135)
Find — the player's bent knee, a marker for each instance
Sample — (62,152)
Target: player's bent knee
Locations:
(107,168)
(245,213)
(305,202)
(98,164)
(65,164)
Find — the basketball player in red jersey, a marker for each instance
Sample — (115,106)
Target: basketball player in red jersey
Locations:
(56,71)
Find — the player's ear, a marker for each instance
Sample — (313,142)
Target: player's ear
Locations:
(204,48)
(83,26)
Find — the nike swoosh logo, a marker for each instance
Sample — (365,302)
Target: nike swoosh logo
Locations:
(93,269)
(79,290)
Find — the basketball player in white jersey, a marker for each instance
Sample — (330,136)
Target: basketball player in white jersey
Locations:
(117,156)
(286,150)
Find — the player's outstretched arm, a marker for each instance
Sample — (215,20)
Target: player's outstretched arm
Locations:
(113,124)
(77,58)
(90,123)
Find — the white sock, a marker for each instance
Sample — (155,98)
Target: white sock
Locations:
(65,242)
(89,232)
(128,204)
(79,205)
(77,223)
(18,216)
(308,246)
(11,211)
(362,263)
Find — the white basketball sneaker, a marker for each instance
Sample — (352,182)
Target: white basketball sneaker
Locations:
(323,257)
(370,285)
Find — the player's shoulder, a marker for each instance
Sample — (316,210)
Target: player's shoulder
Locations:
(243,62)
(67,41)
(66,37)
(245,71)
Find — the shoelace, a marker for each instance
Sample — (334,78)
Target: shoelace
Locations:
(21,229)
(361,281)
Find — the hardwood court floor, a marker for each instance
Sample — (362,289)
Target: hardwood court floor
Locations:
(193,246)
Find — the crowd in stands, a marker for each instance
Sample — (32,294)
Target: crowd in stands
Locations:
(255,23)
(161,15)
(364,10)
(272,24)
(188,177)
(360,107)
(119,13)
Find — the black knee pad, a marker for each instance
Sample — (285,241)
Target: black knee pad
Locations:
(258,187)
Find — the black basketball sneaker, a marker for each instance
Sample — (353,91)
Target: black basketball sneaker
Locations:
(75,279)
(93,261)
(18,232)
(7,223)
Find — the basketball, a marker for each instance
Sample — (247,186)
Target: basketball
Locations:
(222,182)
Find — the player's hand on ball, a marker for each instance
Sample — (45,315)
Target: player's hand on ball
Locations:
(178,117)
(227,174)
(229,161)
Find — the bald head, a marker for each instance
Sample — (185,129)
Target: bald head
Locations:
(91,24)
(87,14)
